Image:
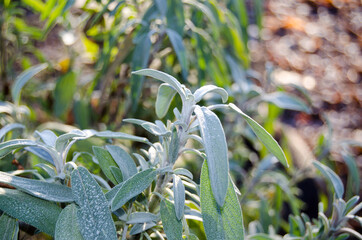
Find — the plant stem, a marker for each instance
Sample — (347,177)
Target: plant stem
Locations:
(160,184)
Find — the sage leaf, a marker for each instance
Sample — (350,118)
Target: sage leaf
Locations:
(141,217)
(123,160)
(39,213)
(174,146)
(63,140)
(140,57)
(141,227)
(215,145)
(183,171)
(220,222)
(179,48)
(117,174)
(161,6)
(201,92)
(40,152)
(179,196)
(23,78)
(171,225)
(10,127)
(46,170)
(9,228)
(164,77)
(164,98)
(263,136)
(132,187)
(119,135)
(105,161)
(64,92)
(48,137)
(353,180)
(45,190)
(94,217)
(8,146)
(175,16)
(67,227)
(111,193)
(142,161)
(332,177)
(286,101)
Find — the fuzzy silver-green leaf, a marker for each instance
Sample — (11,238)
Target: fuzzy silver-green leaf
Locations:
(171,225)
(164,98)
(215,145)
(94,216)
(132,187)
(222,223)
(9,227)
(48,191)
(34,211)
(268,141)
(67,227)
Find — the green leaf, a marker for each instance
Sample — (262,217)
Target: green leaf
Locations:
(183,171)
(263,136)
(148,126)
(64,92)
(175,16)
(67,225)
(63,140)
(353,180)
(174,146)
(164,98)
(171,225)
(200,93)
(216,151)
(179,196)
(140,59)
(94,217)
(48,191)
(161,6)
(8,146)
(10,127)
(119,135)
(82,113)
(123,160)
(178,46)
(164,77)
(9,228)
(141,227)
(332,177)
(141,217)
(49,5)
(47,136)
(23,78)
(111,193)
(132,187)
(286,101)
(105,161)
(220,222)
(351,202)
(142,161)
(34,211)
(117,174)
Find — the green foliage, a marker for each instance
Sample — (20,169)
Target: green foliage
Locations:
(140,200)
(135,187)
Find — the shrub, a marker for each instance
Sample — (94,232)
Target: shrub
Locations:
(154,199)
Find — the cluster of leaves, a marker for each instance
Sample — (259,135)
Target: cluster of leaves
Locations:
(153,199)
(183,38)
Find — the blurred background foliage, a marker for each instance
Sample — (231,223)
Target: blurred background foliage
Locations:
(69,63)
